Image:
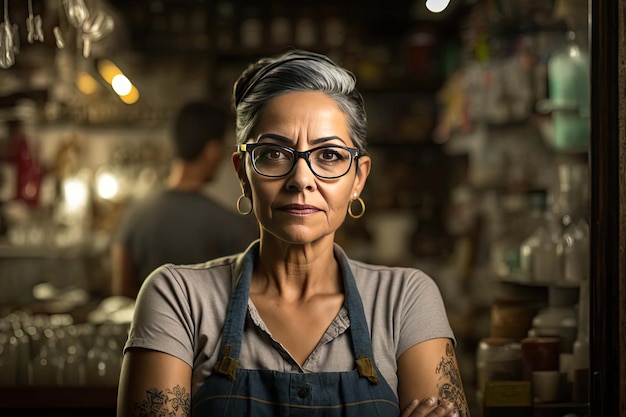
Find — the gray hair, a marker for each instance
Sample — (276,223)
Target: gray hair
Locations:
(296,71)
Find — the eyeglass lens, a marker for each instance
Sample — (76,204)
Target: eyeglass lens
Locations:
(276,160)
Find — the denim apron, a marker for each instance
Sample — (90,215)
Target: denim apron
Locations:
(232,391)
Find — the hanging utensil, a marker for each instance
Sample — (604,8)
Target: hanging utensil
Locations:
(56,31)
(7,46)
(97,26)
(34,25)
(76,11)
(58,37)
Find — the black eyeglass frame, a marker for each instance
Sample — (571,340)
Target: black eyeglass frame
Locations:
(306,155)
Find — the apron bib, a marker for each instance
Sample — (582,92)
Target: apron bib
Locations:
(232,391)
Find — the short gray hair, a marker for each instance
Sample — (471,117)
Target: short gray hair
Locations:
(296,71)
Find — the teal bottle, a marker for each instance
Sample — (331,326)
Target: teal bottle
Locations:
(568,80)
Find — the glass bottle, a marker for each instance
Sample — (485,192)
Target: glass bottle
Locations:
(45,367)
(103,362)
(29,171)
(8,359)
(539,252)
(73,358)
(575,246)
(568,84)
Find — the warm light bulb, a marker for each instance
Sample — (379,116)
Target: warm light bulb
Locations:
(108,70)
(121,85)
(437,6)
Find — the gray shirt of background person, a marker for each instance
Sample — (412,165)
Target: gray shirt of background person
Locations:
(182,227)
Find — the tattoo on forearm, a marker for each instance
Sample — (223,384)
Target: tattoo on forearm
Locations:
(449,385)
(173,402)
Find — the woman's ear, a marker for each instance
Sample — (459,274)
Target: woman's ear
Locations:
(237,159)
(240,167)
(362,172)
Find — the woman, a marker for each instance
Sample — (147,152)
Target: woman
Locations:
(292,326)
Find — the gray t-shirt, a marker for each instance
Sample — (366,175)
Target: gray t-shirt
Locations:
(181,227)
(180,310)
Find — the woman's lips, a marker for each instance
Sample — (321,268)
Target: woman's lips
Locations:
(300,209)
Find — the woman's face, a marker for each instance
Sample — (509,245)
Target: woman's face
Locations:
(301,208)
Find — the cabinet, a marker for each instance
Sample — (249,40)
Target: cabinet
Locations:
(491,112)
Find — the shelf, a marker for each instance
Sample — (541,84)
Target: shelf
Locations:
(57,397)
(560,409)
(532,284)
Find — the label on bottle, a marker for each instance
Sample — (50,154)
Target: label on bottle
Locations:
(508,394)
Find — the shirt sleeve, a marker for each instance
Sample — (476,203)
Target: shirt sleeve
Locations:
(162,319)
(423,315)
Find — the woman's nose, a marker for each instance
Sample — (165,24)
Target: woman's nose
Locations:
(301,177)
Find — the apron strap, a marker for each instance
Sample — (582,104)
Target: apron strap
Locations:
(232,333)
(361,339)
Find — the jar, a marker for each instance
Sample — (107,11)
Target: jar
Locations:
(497,359)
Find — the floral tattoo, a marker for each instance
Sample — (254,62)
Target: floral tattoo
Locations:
(449,385)
(174,402)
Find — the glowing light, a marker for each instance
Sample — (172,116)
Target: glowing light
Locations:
(121,85)
(437,6)
(75,193)
(107,185)
(108,70)
(86,83)
(131,97)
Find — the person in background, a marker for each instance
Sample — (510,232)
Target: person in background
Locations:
(292,326)
(181,224)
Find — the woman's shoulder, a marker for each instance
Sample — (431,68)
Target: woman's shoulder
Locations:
(393,284)
(370,271)
(215,272)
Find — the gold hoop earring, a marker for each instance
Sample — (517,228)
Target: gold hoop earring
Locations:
(241,198)
(361,212)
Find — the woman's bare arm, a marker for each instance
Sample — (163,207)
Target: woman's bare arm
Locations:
(154,384)
(430,369)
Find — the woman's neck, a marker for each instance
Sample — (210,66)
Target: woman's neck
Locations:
(296,271)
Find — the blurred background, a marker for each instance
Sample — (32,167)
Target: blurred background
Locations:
(478,129)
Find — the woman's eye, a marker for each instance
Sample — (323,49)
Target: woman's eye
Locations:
(273,154)
(330,155)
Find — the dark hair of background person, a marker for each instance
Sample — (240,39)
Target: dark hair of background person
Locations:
(195,124)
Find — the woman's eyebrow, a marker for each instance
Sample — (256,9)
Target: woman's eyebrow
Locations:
(287,140)
(327,139)
(275,136)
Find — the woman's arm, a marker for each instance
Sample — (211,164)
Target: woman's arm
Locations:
(429,369)
(153,384)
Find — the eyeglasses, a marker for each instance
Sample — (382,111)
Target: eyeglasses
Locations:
(326,162)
